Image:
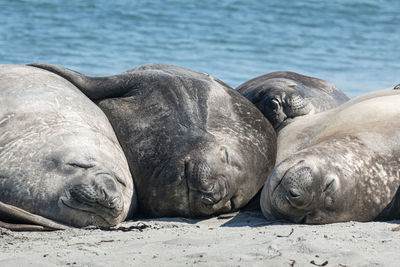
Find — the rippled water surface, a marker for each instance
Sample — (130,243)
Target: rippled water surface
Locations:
(353,44)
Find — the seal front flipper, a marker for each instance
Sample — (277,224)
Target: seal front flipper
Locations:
(17,219)
(93,87)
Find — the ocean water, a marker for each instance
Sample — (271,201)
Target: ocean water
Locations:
(354,44)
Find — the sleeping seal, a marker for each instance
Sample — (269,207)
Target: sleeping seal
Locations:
(195,146)
(283,95)
(59,157)
(348,169)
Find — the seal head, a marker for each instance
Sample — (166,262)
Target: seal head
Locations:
(282,96)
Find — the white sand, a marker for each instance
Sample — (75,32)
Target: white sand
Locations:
(243,239)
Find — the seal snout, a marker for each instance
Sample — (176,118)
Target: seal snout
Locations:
(297,183)
(297,106)
(297,199)
(100,196)
(207,188)
(211,193)
(109,195)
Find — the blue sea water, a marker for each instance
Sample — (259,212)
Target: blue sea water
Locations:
(354,44)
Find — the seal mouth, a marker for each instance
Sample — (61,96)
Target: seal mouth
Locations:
(276,181)
(205,203)
(212,197)
(108,217)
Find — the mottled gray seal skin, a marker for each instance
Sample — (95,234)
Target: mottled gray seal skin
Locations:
(348,169)
(59,156)
(283,95)
(195,146)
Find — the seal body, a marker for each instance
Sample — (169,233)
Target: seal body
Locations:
(283,95)
(347,169)
(195,146)
(59,157)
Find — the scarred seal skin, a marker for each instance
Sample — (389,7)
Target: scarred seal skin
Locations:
(283,95)
(59,156)
(195,146)
(348,168)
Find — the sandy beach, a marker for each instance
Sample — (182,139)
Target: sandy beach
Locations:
(238,239)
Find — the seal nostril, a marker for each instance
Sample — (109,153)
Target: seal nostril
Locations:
(275,103)
(207,200)
(293,194)
(114,202)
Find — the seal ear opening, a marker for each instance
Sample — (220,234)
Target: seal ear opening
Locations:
(16,219)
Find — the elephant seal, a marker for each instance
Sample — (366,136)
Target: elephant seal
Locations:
(59,157)
(195,146)
(348,169)
(284,95)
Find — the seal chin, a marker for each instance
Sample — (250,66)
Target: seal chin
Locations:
(272,212)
